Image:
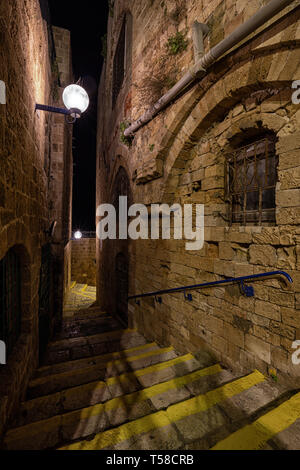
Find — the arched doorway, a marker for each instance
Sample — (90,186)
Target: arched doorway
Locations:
(10,299)
(45,299)
(121,276)
(120,270)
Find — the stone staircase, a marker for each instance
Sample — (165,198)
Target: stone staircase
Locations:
(103,387)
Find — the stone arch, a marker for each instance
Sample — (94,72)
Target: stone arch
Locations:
(21,283)
(122,279)
(215,94)
(120,184)
(24,357)
(120,165)
(209,111)
(18,238)
(15,234)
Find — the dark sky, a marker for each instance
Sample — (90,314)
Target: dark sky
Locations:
(87,21)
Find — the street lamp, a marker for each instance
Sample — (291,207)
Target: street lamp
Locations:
(76,101)
(78,235)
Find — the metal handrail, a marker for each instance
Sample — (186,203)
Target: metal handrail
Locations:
(246,289)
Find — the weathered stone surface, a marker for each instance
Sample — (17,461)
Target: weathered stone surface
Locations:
(83,268)
(263,255)
(198,425)
(35,176)
(192,138)
(258,347)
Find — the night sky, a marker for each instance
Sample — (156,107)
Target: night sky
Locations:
(87,22)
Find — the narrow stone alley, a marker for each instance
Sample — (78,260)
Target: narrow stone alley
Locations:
(104,387)
(149,225)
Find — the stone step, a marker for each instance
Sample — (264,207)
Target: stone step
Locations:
(100,391)
(114,412)
(57,382)
(277,429)
(82,340)
(84,319)
(87,327)
(172,428)
(87,346)
(91,312)
(93,360)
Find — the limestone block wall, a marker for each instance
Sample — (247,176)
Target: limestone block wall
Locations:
(25,158)
(179,157)
(67,267)
(61,166)
(83,270)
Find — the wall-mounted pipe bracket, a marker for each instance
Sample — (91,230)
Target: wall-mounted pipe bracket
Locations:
(200,31)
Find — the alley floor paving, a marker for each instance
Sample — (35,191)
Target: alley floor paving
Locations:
(105,387)
(79,298)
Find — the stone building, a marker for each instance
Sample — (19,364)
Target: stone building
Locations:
(231,141)
(83,266)
(35,190)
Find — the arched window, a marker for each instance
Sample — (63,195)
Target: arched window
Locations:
(122,57)
(251,177)
(10,299)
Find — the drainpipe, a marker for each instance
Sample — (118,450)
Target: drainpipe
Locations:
(199,69)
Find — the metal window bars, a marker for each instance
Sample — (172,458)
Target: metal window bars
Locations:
(250,182)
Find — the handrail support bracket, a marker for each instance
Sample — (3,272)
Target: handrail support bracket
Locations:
(248,291)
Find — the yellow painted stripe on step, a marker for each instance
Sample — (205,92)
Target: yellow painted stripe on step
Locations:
(122,433)
(140,396)
(107,356)
(133,375)
(142,356)
(120,402)
(150,369)
(255,435)
(84,288)
(203,402)
(73,285)
(174,413)
(129,359)
(101,357)
(86,296)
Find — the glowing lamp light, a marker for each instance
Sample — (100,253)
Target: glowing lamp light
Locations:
(76,99)
(78,235)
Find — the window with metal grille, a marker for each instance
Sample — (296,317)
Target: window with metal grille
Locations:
(10,300)
(251,178)
(119,64)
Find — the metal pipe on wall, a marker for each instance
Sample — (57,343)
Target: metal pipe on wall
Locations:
(199,69)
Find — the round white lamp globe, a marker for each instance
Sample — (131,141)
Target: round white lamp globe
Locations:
(78,235)
(75,97)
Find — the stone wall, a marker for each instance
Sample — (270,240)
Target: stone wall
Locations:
(67,267)
(61,167)
(26,58)
(179,157)
(83,269)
